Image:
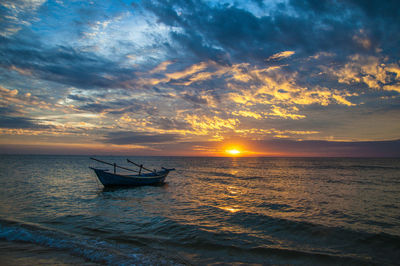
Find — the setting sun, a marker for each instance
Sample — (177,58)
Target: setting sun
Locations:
(233,151)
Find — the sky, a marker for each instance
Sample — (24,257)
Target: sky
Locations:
(197,78)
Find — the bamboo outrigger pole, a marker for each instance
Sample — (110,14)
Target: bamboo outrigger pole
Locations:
(113,164)
(139,165)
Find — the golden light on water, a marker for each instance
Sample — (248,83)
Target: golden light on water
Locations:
(230,209)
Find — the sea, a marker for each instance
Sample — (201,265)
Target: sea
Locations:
(210,211)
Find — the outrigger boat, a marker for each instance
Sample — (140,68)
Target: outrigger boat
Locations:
(152,177)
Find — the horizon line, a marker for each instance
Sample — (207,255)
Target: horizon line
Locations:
(202,156)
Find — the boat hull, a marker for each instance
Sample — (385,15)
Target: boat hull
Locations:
(109,179)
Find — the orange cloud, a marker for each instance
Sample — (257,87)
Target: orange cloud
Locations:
(161,67)
(203,125)
(22,71)
(370,70)
(281,55)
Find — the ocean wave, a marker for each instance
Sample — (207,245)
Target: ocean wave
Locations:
(344,167)
(261,238)
(94,250)
(220,176)
(369,246)
(372,167)
(275,206)
(193,239)
(254,249)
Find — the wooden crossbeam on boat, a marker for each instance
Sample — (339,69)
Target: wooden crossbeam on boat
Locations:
(114,165)
(139,165)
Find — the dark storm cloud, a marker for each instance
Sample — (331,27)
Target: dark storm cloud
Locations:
(20,123)
(118,107)
(220,32)
(125,137)
(380,20)
(79,98)
(194,98)
(371,8)
(63,64)
(168,124)
(8,110)
(95,107)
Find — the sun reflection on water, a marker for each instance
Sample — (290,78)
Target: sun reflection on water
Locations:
(232,209)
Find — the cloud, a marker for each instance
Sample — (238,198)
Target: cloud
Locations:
(79,98)
(21,103)
(329,148)
(171,124)
(161,67)
(202,70)
(232,33)
(194,98)
(204,125)
(13,122)
(123,138)
(116,107)
(64,65)
(16,14)
(8,111)
(281,55)
(286,147)
(369,70)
